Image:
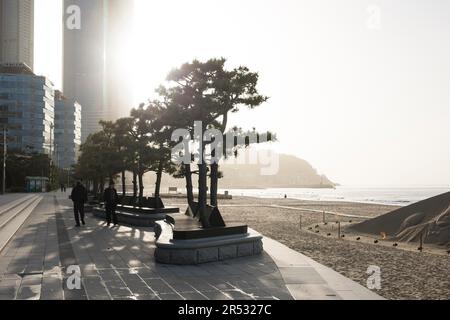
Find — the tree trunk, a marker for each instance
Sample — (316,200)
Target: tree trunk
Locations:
(214,184)
(202,182)
(189,186)
(124,187)
(135,186)
(95,188)
(102,187)
(215,168)
(158,181)
(202,193)
(141,187)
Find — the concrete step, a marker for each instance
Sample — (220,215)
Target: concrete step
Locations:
(11,221)
(10,212)
(9,205)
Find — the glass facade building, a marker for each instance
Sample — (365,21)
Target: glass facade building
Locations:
(27,109)
(67,131)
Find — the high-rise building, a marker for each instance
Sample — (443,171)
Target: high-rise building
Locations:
(118,52)
(17,32)
(27,110)
(67,130)
(91,72)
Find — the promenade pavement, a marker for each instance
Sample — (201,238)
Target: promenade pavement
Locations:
(118,264)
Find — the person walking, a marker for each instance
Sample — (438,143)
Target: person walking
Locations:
(111,199)
(79,198)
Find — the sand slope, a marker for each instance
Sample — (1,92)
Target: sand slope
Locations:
(430,218)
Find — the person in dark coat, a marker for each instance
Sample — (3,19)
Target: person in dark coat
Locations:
(79,198)
(111,199)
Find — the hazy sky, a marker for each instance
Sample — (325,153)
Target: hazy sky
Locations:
(360,89)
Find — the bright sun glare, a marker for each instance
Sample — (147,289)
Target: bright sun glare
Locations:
(327,75)
(150,53)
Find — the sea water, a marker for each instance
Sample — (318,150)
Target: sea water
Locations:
(396,196)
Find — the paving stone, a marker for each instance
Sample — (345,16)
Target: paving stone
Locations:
(146,273)
(193,296)
(83,260)
(221,285)
(196,271)
(237,295)
(230,270)
(31,292)
(34,268)
(3,267)
(147,297)
(52,288)
(8,293)
(127,277)
(180,286)
(10,281)
(200,285)
(16,269)
(32,280)
(108,273)
(116,283)
(95,287)
(51,265)
(134,263)
(313,292)
(159,286)
(243,284)
(170,296)
(124,297)
(301,275)
(260,293)
(99,297)
(163,270)
(88,272)
(216,295)
(281,294)
(118,291)
(139,287)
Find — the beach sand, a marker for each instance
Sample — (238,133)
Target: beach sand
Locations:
(405,272)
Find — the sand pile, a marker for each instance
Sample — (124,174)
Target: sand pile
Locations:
(429,218)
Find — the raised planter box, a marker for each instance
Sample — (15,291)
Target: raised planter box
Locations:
(203,250)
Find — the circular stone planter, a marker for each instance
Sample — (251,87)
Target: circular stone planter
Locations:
(198,251)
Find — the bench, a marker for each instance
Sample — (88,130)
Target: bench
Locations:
(130,212)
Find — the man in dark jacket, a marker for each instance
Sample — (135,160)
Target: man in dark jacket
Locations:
(111,201)
(79,198)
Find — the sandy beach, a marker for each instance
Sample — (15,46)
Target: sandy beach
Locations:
(406,272)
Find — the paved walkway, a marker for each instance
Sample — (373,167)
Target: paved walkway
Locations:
(119,264)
